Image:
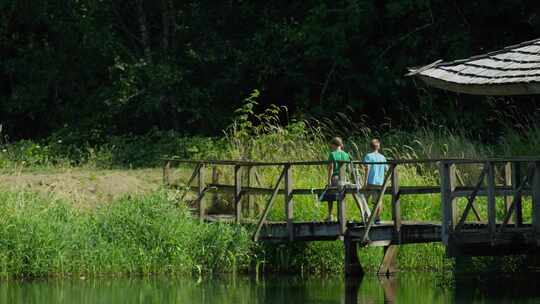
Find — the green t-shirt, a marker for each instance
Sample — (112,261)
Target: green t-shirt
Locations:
(338,155)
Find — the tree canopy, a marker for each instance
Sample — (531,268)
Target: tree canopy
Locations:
(130,66)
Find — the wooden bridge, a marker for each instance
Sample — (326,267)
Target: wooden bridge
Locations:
(503,230)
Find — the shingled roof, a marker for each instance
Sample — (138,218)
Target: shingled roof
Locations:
(514,70)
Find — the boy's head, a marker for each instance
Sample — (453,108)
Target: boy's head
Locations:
(375,144)
(336,143)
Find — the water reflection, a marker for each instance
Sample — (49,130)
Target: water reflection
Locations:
(403,288)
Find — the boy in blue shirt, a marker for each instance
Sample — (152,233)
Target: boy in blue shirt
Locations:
(375,173)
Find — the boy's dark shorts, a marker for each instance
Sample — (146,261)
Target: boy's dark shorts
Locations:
(333,195)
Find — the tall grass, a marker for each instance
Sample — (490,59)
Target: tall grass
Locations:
(145,235)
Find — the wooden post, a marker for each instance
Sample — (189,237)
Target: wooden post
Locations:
(288,201)
(249,199)
(238,193)
(516,183)
(342,219)
(167,173)
(535,187)
(388,263)
(396,209)
(508,183)
(200,190)
(491,202)
(352,263)
(448,185)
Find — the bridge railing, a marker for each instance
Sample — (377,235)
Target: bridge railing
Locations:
(514,188)
(509,179)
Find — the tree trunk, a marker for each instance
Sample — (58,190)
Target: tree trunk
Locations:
(165,23)
(143,27)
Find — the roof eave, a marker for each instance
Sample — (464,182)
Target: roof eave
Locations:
(504,89)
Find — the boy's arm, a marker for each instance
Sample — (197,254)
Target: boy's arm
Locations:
(330,168)
(366,170)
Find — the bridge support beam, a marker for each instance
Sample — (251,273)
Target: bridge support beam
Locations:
(352,263)
(516,183)
(388,264)
(535,185)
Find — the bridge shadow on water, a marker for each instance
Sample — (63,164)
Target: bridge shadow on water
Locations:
(435,288)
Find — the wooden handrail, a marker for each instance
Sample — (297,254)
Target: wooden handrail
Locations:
(325,162)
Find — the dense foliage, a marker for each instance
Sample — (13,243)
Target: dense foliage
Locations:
(121,67)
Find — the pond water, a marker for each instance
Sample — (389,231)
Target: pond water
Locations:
(403,288)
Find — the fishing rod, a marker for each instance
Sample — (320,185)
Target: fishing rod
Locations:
(364,207)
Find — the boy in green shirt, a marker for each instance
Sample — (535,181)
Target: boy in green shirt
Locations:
(336,156)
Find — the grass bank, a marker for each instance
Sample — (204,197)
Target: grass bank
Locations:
(152,234)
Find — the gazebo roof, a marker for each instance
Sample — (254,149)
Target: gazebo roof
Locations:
(514,70)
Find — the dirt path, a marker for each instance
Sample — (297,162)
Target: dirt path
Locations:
(85,186)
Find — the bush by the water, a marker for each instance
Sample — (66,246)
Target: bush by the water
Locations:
(143,235)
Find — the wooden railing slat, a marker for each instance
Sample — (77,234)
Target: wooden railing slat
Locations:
(268,206)
(194,175)
(517,199)
(471,199)
(238,193)
(201,191)
(379,201)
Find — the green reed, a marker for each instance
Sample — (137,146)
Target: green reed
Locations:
(143,235)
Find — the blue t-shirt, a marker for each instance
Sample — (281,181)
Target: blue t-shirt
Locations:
(376,171)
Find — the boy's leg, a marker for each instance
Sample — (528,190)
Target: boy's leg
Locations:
(377,212)
(381,206)
(330,209)
(368,197)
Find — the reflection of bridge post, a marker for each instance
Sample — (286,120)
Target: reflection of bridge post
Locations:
(353,268)
(352,286)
